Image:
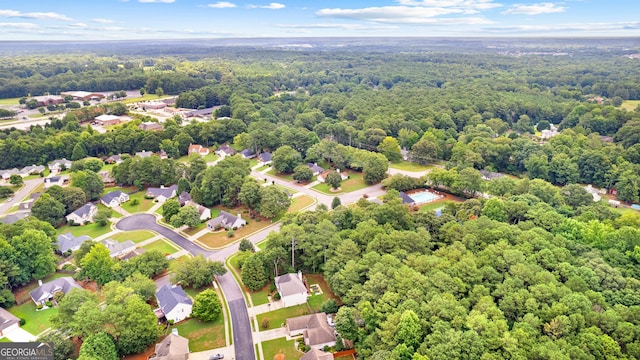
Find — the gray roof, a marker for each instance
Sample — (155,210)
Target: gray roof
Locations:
(133,253)
(116,247)
(490,174)
(170,296)
(7,319)
(315,326)
(110,196)
(15,217)
(68,241)
(184,197)
(315,354)
(9,172)
(84,209)
(200,112)
(32,169)
(44,292)
(406,199)
(223,219)
(265,156)
(289,284)
(144,154)
(315,168)
(248,153)
(167,192)
(114,158)
(173,347)
(60,162)
(25,205)
(226,149)
(53,179)
(35,196)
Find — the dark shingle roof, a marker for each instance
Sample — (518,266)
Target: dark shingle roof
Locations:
(247,153)
(68,241)
(12,218)
(406,199)
(84,210)
(64,284)
(265,156)
(167,192)
(315,168)
(170,296)
(7,319)
(110,196)
(289,284)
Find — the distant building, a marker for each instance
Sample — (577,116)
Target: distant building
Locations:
(114,198)
(144,154)
(198,149)
(107,120)
(317,170)
(200,113)
(55,180)
(162,193)
(114,159)
(133,253)
(31,170)
(45,292)
(47,100)
(247,154)
(60,164)
(322,177)
(226,221)
(6,174)
(406,199)
(548,134)
(291,289)
(265,158)
(82,95)
(490,175)
(205,212)
(183,198)
(13,218)
(83,214)
(69,242)
(153,105)
(107,179)
(150,126)
(174,302)
(225,150)
(316,354)
(314,328)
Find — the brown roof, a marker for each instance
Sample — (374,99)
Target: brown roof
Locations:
(173,347)
(315,354)
(316,328)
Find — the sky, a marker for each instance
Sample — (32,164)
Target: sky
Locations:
(171,19)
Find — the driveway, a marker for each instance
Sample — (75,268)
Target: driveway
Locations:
(20,335)
(160,282)
(242,335)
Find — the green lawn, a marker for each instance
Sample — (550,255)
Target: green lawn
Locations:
(622,210)
(260,297)
(211,157)
(136,236)
(162,246)
(432,206)
(114,213)
(142,206)
(253,162)
(409,166)
(203,335)
(10,101)
(353,183)
(300,202)
(207,158)
(36,116)
(630,105)
(272,348)
(273,172)
(4,339)
(263,167)
(278,317)
(94,230)
(315,301)
(36,321)
(123,189)
(197,229)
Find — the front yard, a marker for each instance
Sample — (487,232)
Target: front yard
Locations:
(142,204)
(277,318)
(136,236)
(94,230)
(315,301)
(221,238)
(35,321)
(300,202)
(410,166)
(282,346)
(353,183)
(162,246)
(203,335)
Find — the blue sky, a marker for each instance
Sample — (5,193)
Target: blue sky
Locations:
(164,19)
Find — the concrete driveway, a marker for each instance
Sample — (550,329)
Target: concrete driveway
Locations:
(20,335)
(160,282)
(228,353)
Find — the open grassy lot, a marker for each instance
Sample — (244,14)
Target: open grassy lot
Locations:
(136,236)
(280,347)
(162,246)
(197,229)
(278,317)
(36,321)
(203,335)
(207,158)
(315,301)
(300,202)
(409,166)
(94,230)
(142,206)
(10,101)
(432,206)
(220,238)
(273,172)
(630,104)
(263,167)
(353,183)
(260,297)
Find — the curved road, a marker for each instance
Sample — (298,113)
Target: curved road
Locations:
(242,337)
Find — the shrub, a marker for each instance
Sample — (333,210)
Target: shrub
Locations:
(330,306)
(22,321)
(265,323)
(170,322)
(276,296)
(231,233)
(49,304)
(135,202)
(272,287)
(38,307)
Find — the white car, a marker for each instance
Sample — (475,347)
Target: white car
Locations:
(9,198)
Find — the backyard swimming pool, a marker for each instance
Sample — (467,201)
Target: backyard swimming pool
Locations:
(423,197)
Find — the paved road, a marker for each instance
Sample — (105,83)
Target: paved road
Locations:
(242,334)
(29,185)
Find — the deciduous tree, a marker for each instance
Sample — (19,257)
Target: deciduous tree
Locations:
(206,306)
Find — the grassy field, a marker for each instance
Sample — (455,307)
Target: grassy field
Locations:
(203,335)
(409,166)
(622,210)
(145,97)
(278,317)
(353,183)
(10,101)
(300,202)
(197,229)
(315,301)
(36,321)
(162,246)
(142,206)
(260,297)
(263,167)
(114,214)
(207,158)
(630,105)
(219,239)
(432,206)
(136,236)
(94,230)
(273,172)
(280,346)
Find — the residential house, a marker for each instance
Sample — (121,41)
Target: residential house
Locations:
(406,199)
(315,329)
(615,203)
(83,95)
(207,112)
(162,193)
(26,205)
(69,242)
(55,180)
(322,177)
(184,197)
(173,347)
(317,170)
(83,214)
(46,100)
(13,218)
(117,248)
(317,354)
(226,221)
(59,165)
(114,198)
(45,292)
(174,302)
(8,322)
(490,175)
(247,154)
(225,150)
(198,149)
(548,134)
(107,179)
(264,158)
(107,120)
(144,154)
(150,126)
(205,212)
(31,170)
(291,289)
(133,253)
(114,159)
(6,174)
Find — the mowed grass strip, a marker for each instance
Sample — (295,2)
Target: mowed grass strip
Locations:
(282,348)
(35,321)
(162,246)
(136,236)
(278,317)
(410,166)
(300,202)
(353,183)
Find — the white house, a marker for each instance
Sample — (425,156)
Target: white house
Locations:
(55,180)
(6,174)
(314,328)
(57,165)
(162,193)
(83,214)
(205,212)
(31,170)
(174,302)
(8,322)
(117,248)
(69,242)
(114,198)
(291,289)
(225,150)
(226,220)
(322,177)
(198,149)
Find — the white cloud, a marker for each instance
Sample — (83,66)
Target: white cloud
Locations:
(271,6)
(34,15)
(405,15)
(157,1)
(222,5)
(464,4)
(337,26)
(534,9)
(102,21)
(22,26)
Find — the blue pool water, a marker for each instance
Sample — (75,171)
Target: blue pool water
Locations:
(423,197)
(633,206)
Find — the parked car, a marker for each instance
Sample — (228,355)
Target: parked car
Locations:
(216,356)
(9,198)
